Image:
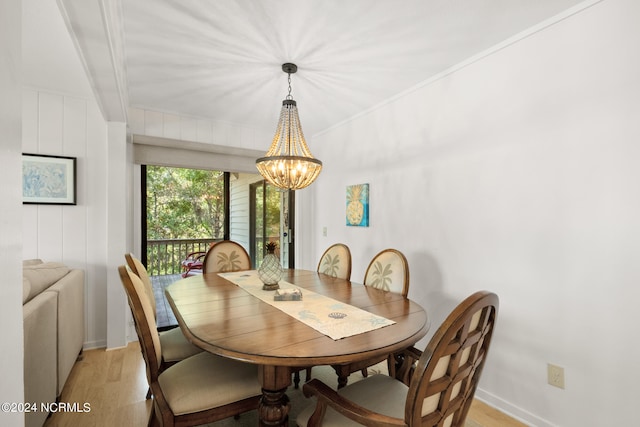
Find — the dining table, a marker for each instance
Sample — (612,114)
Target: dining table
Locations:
(226,319)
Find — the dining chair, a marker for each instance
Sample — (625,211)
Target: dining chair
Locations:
(433,388)
(388,270)
(226,256)
(200,389)
(336,261)
(175,346)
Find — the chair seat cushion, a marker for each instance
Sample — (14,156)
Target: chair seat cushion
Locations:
(206,381)
(378,393)
(175,346)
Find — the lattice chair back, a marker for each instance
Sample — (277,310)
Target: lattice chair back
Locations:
(447,374)
(226,256)
(336,262)
(388,271)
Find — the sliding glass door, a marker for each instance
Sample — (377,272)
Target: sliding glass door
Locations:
(271,220)
(183,211)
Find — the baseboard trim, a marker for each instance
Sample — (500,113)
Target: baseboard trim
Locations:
(92,345)
(511,410)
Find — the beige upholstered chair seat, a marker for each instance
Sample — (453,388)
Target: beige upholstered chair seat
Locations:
(367,394)
(175,346)
(188,386)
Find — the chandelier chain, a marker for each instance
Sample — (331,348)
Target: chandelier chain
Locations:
(289,80)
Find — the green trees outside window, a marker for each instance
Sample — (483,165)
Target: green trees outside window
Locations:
(185,211)
(184,203)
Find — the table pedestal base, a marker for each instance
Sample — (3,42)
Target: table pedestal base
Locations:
(273,410)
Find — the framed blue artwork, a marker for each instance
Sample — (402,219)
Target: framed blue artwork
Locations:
(358,205)
(48,179)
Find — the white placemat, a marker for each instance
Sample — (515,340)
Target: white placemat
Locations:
(331,317)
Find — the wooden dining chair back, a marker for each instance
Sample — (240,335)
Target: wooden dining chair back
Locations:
(336,262)
(447,374)
(433,388)
(175,346)
(139,270)
(144,321)
(200,389)
(226,256)
(389,271)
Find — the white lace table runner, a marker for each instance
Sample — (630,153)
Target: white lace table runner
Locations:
(331,317)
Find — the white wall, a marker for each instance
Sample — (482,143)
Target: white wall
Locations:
(197,129)
(11,355)
(57,124)
(519,174)
(60,116)
(119,220)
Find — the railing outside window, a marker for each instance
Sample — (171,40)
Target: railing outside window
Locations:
(165,256)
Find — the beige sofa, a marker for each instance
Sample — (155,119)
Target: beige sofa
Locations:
(53,321)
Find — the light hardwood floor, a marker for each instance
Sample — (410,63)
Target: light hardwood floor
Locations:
(114,384)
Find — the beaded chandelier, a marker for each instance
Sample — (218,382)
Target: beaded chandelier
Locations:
(289,165)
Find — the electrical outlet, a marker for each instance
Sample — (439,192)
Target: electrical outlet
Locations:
(555,375)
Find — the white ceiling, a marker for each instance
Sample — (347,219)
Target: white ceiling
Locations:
(222,59)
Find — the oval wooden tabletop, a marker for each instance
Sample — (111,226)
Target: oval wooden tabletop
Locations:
(223,319)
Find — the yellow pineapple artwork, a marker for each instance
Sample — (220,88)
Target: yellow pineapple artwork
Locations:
(358,205)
